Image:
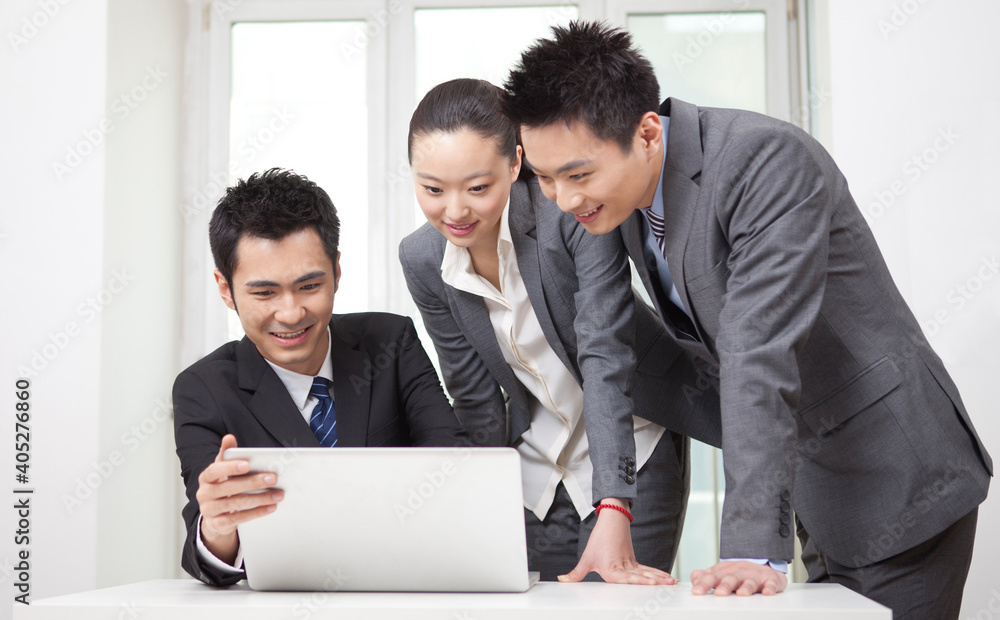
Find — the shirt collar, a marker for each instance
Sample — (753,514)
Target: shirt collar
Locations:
(298,385)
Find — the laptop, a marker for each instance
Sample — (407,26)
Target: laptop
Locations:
(389,520)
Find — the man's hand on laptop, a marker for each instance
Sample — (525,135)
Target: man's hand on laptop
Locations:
(226,497)
(609,553)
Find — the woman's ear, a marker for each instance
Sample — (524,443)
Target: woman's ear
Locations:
(515,168)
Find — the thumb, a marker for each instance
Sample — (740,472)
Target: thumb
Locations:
(229,441)
(577,574)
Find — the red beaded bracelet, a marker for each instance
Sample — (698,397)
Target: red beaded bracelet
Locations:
(618,508)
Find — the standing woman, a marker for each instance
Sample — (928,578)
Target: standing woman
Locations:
(535,326)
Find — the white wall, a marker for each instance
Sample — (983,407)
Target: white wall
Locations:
(90,257)
(51,257)
(137,511)
(900,75)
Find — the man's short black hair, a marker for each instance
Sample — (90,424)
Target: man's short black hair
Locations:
(270,205)
(590,72)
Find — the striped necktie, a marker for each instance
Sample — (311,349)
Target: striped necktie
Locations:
(324,416)
(656,225)
(674,313)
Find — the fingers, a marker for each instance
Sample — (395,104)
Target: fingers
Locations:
(748,587)
(229,441)
(702,581)
(225,524)
(575,575)
(658,576)
(240,502)
(774,586)
(741,578)
(228,495)
(727,585)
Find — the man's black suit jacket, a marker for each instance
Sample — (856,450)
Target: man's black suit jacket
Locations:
(387,394)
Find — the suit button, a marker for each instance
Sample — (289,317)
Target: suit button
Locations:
(630,479)
(785,495)
(630,461)
(783,530)
(785,506)
(785,518)
(630,470)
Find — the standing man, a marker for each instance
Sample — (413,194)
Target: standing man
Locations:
(301,377)
(765,273)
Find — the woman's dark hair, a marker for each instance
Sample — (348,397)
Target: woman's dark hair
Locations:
(465,103)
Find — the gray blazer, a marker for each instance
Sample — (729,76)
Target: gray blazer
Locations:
(580,288)
(832,400)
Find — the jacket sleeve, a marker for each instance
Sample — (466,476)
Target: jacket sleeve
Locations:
(605,332)
(198,433)
(775,209)
(476,397)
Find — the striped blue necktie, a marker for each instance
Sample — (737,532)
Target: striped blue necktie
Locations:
(674,312)
(656,225)
(324,416)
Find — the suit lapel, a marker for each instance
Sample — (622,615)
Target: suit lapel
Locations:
(680,191)
(522,232)
(474,320)
(352,384)
(270,403)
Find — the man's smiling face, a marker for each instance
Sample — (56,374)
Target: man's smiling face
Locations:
(592,178)
(283,293)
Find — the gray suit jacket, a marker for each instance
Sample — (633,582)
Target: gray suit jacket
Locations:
(832,400)
(580,288)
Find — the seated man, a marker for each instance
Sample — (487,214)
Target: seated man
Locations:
(301,377)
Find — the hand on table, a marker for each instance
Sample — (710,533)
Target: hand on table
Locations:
(741,578)
(609,553)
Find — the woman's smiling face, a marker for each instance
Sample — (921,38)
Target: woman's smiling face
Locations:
(462,183)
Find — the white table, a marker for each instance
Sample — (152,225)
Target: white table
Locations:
(190,600)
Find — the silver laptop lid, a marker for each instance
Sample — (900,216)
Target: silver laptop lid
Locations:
(389,519)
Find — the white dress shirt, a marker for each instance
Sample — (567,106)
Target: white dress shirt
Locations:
(554,449)
(298,386)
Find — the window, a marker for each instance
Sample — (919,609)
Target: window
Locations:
(326,87)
